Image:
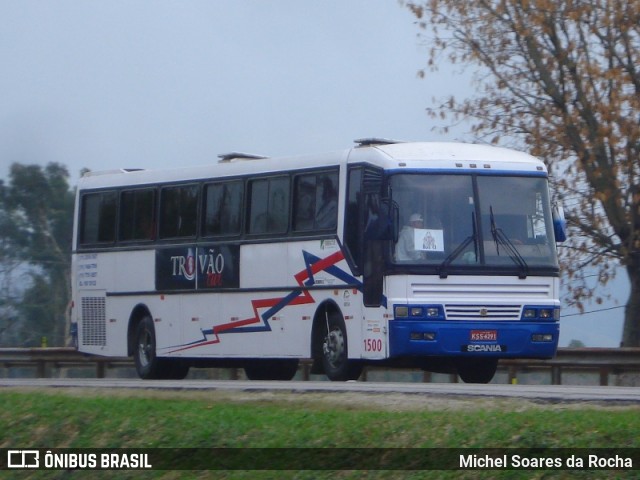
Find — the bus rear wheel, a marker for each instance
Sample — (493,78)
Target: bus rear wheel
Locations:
(335,358)
(277,369)
(477,370)
(148,365)
(144,353)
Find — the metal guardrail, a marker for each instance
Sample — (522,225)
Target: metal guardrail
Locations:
(605,362)
(43,359)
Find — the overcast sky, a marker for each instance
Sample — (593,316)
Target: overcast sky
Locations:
(159,83)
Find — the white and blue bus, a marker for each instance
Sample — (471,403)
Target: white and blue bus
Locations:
(440,256)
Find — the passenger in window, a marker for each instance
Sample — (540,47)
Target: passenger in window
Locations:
(327,214)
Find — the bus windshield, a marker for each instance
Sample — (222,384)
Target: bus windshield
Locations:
(473,221)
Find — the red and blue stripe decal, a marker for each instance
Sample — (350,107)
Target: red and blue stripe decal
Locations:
(298,296)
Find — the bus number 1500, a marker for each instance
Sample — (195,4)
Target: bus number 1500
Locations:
(372,345)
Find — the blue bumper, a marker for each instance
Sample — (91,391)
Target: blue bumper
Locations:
(411,338)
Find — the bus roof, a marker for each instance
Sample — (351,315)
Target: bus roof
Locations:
(455,156)
(385,154)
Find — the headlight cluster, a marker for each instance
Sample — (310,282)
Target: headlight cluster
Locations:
(421,312)
(541,313)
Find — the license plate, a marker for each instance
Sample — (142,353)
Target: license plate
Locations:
(483,335)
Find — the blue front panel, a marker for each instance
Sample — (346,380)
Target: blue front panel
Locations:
(472,338)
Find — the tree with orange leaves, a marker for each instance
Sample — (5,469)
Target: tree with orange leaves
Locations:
(560,78)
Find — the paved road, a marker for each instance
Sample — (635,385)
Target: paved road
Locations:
(550,393)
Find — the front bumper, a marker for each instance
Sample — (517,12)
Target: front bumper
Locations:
(518,339)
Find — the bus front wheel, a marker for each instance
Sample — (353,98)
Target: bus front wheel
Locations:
(275,369)
(335,359)
(477,370)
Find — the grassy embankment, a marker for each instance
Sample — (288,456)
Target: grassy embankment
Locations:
(152,419)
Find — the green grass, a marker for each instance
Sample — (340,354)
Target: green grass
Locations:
(63,419)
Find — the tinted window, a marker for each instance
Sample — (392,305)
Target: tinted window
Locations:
(98,222)
(315,202)
(353,226)
(178,211)
(137,215)
(223,208)
(269,206)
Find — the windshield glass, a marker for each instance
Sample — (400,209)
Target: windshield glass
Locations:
(473,221)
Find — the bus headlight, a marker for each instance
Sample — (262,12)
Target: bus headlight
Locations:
(433,312)
(546,313)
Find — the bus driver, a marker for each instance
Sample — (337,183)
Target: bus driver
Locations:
(406,248)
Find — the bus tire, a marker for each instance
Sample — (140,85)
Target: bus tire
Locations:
(477,370)
(277,369)
(335,356)
(173,369)
(147,364)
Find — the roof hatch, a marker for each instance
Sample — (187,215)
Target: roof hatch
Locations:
(228,157)
(372,141)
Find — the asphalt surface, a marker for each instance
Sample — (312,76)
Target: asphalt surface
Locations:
(549,393)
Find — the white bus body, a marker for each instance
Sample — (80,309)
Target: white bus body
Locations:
(259,262)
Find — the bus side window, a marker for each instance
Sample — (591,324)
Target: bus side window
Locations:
(137,215)
(315,202)
(269,205)
(304,203)
(327,201)
(98,218)
(178,211)
(223,208)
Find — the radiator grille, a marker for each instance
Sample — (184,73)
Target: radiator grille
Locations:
(482,312)
(94,325)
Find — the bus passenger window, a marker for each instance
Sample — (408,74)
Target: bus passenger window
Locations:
(269,208)
(304,203)
(223,208)
(327,202)
(315,202)
(178,211)
(136,215)
(98,218)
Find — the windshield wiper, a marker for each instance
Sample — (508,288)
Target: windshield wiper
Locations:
(501,239)
(442,270)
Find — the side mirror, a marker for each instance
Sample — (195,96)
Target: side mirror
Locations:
(559,223)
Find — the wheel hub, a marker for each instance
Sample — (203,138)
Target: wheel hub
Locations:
(144,349)
(334,347)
